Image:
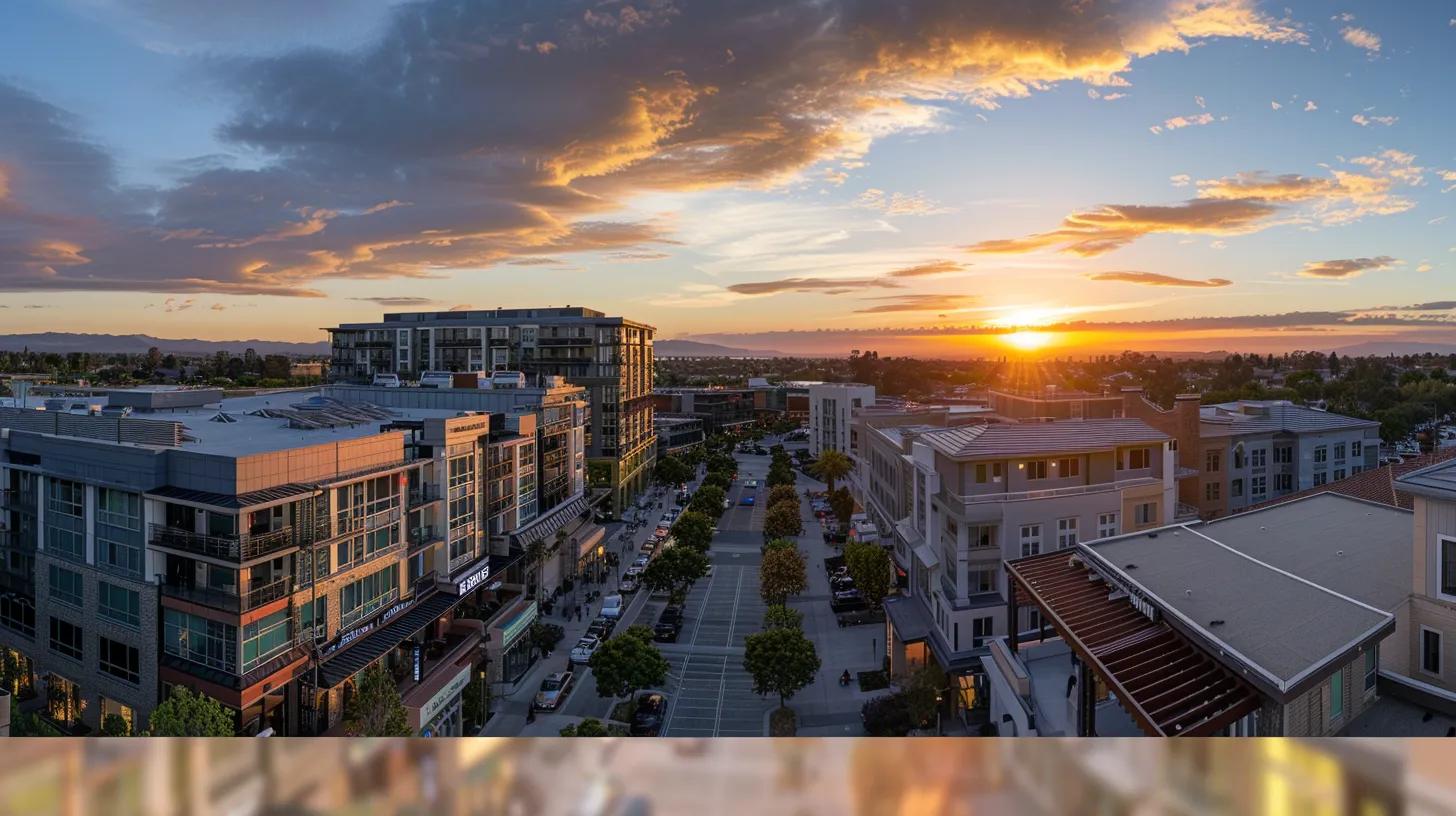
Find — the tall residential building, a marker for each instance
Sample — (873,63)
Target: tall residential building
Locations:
(831,409)
(976,495)
(611,356)
(266,549)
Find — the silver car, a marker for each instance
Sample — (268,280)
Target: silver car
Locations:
(553,690)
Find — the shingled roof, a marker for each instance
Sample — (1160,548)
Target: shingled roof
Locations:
(1376,485)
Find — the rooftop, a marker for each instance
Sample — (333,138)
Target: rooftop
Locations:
(1037,438)
(1384,484)
(1273,416)
(476,317)
(1436,481)
(1249,585)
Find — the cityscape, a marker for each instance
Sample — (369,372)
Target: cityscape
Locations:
(617,407)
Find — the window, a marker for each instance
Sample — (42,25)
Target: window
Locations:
(124,557)
(265,638)
(119,604)
(1236,488)
(1339,451)
(1036,469)
(1066,533)
(985,470)
(1211,461)
(1259,457)
(1283,456)
(66,638)
(1258,486)
(1321,478)
(1139,458)
(66,586)
(368,595)
(1446,550)
(1337,694)
(981,629)
(1145,513)
(1339,474)
(313,617)
(66,543)
(1030,539)
(200,640)
(1069,467)
(66,497)
(1210,491)
(982,535)
(981,580)
(1356,449)
(1430,651)
(1284,482)
(1372,667)
(1321,453)
(1238,457)
(1106,525)
(118,508)
(119,660)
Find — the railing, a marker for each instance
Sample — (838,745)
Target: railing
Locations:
(234,548)
(227,599)
(1184,512)
(357,524)
(420,536)
(423,494)
(365,610)
(1052,492)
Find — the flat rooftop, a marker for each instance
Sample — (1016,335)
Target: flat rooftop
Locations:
(1249,585)
(1272,416)
(1042,438)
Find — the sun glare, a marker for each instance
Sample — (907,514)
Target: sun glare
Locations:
(1027,340)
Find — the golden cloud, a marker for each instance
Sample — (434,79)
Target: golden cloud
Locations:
(1346,267)
(1158,279)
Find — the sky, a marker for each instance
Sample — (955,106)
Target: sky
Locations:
(944,178)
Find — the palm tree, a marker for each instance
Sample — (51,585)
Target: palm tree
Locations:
(832,465)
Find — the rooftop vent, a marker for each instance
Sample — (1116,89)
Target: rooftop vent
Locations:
(223,417)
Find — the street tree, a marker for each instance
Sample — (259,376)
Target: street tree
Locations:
(781,473)
(783,493)
(671,470)
(831,466)
(717,479)
(780,544)
(675,570)
(923,691)
(842,503)
(783,521)
(869,566)
(185,714)
(779,616)
(628,662)
(708,501)
(693,529)
(589,727)
(376,709)
(781,573)
(781,661)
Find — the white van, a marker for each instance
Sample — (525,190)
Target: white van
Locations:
(436,379)
(387,380)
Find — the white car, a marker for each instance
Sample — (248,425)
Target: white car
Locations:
(629,584)
(612,606)
(584,649)
(387,380)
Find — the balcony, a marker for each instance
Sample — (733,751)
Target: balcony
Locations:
(227,599)
(422,494)
(1053,492)
(420,536)
(231,548)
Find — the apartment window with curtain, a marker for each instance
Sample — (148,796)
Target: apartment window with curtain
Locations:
(1036,469)
(1069,467)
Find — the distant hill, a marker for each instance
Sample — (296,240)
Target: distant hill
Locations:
(1385,348)
(693,348)
(67,342)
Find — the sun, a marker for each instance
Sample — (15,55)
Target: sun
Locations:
(1026,340)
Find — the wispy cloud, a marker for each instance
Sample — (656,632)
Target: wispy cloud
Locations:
(918,303)
(1361,38)
(1366,121)
(898,203)
(1159,279)
(1180,122)
(926,269)
(1346,267)
(834,285)
(398,300)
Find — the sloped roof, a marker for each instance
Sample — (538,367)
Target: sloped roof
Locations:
(1437,479)
(1385,484)
(1272,416)
(1038,438)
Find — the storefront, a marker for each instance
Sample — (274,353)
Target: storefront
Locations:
(442,715)
(511,648)
(591,553)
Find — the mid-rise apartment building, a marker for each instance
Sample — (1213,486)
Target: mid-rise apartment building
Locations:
(264,550)
(721,410)
(831,411)
(676,435)
(610,356)
(979,494)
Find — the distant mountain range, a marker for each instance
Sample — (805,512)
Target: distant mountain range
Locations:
(693,348)
(1385,348)
(67,342)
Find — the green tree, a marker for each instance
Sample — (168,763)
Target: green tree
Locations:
(781,474)
(474,701)
(628,662)
(781,661)
(693,529)
(670,470)
(922,692)
(784,493)
(780,544)
(376,710)
(588,727)
(831,466)
(842,503)
(869,566)
(184,714)
(779,616)
(675,570)
(708,500)
(783,521)
(781,573)
(114,725)
(721,481)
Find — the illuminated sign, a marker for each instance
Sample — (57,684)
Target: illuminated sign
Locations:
(473,580)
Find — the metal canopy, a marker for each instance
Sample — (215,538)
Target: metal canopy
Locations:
(1170,686)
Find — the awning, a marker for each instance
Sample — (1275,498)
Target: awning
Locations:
(350,661)
(1169,685)
(548,524)
(927,556)
(229,501)
(909,619)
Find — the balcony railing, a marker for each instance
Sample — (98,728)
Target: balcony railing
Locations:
(420,536)
(423,494)
(1052,492)
(227,599)
(234,548)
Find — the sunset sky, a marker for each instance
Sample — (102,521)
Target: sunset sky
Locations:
(917,177)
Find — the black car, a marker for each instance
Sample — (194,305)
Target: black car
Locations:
(671,614)
(651,708)
(666,632)
(601,627)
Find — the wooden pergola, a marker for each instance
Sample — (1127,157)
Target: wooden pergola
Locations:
(1169,685)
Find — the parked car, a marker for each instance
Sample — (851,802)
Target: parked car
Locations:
(840,584)
(647,721)
(628,585)
(612,606)
(641,561)
(553,690)
(848,595)
(387,380)
(602,627)
(649,546)
(666,632)
(662,531)
(584,649)
(671,614)
(709,574)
